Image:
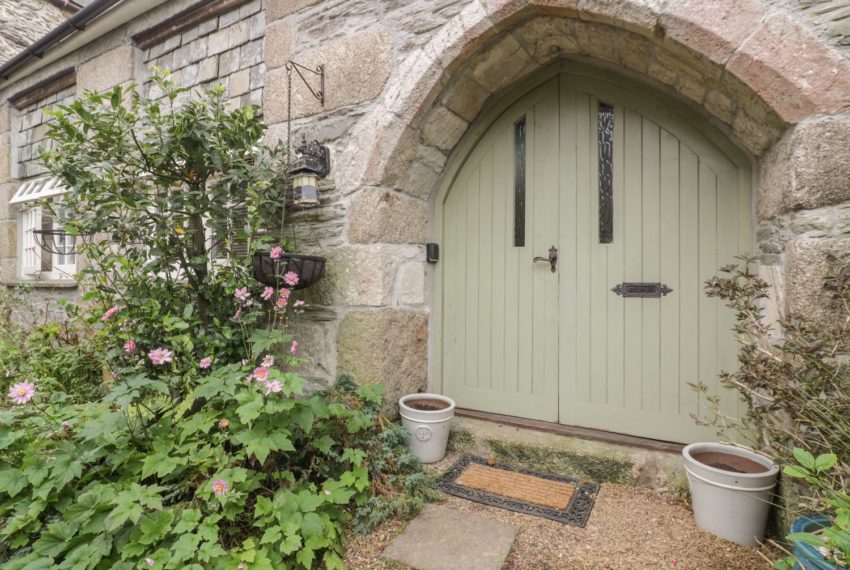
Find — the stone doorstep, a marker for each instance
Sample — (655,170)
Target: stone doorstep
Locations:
(440,538)
(572,456)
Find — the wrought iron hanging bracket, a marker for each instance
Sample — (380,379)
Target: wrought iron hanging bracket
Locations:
(319,70)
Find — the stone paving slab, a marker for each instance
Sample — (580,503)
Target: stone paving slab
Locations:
(440,538)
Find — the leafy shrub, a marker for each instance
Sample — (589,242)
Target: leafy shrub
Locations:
(796,379)
(65,355)
(204,453)
(833,541)
(253,477)
(169,200)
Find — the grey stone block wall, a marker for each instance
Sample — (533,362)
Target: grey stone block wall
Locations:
(223,50)
(31,132)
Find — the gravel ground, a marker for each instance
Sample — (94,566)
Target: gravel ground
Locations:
(629,528)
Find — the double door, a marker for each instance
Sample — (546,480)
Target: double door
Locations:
(577,236)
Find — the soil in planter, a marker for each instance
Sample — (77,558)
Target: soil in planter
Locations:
(426,405)
(729,462)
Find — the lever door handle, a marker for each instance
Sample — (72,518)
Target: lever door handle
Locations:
(552,260)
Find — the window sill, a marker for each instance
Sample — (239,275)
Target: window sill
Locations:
(44,283)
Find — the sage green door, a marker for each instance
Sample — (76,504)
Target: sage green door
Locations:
(652,200)
(500,312)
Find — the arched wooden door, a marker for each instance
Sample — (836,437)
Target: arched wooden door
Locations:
(642,208)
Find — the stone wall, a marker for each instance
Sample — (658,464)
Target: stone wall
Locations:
(24,21)
(406,79)
(225,49)
(31,132)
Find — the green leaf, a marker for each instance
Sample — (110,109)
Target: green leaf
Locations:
(249,412)
(155,526)
(272,534)
(305,557)
(333,561)
(794,471)
(12,481)
(188,522)
(185,547)
(324,443)
(804,458)
(825,462)
(290,544)
(126,510)
(308,502)
(806,537)
(56,539)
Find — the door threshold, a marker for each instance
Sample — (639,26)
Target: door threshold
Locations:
(572,431)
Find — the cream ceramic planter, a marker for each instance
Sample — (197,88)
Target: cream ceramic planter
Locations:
(428,418)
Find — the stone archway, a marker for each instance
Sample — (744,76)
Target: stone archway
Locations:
(766,81)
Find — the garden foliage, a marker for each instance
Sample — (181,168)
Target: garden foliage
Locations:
(205,452)
(796,378)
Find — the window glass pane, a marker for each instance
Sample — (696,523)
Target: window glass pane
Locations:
(519,182)
(605,137)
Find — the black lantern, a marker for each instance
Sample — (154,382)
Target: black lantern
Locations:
(311,162)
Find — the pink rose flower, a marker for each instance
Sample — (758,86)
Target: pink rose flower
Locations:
(160,356)
(267,293)
(276,252)
(290,278)
(130,346)
(22,392)
(261,374)
(220,487)
(268,361)
(294,347)
(205,363)
(242,294)
(109,313)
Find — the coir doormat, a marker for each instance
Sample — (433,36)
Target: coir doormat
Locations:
(544,495)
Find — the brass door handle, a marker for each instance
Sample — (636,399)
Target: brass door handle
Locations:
(552,260)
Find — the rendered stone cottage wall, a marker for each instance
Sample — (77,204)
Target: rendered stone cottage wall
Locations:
(405,79)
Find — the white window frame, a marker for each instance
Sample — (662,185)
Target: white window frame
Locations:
(30,217)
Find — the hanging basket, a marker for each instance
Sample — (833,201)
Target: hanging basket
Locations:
(57,242)
(268,271)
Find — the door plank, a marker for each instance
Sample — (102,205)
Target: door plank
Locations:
(615,305)
(471,307)
(633,236)
(708,308)
(485,269)
(584,228)
(567,208)
(598,275)
(500,246)
(670,377)
(650,332)
(690,289)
